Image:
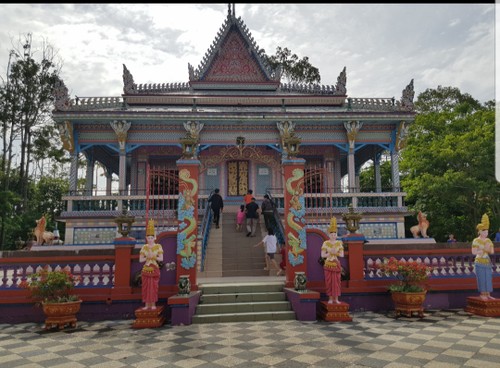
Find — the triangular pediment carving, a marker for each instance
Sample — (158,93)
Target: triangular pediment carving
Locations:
(234,59)
(233,63)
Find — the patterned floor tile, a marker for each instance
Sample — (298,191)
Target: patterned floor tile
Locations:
(442,339)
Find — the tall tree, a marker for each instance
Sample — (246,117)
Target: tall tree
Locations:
(448,163)
(26,102)
(295,70)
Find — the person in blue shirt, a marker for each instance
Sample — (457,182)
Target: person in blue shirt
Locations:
(497,236)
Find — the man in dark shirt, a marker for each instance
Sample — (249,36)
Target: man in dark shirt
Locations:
(217,205)
(267,211)
(252,214)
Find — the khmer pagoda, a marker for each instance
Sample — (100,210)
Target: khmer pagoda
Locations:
(236,121)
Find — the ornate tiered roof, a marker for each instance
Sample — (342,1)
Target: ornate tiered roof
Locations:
(232,68)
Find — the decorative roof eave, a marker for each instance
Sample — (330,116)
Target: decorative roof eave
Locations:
(256,116)
(213,50)
(134,102)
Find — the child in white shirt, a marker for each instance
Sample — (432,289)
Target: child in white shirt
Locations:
(270,243)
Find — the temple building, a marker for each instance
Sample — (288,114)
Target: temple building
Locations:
(234,116)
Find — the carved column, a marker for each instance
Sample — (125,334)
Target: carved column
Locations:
(295,232)
(73,173)
(121,128)
(378,178)
(109,181)
(89,174)
(187,237)
(352,128)
(399,144)
(67,138)
(395,170)
(329,165)
(337,174)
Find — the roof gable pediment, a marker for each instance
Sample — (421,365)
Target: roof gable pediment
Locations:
(233,59)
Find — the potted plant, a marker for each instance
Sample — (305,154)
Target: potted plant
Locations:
(54,291)
(408,294)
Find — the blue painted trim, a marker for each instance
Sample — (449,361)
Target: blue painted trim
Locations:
(294,161)
(274,148)
(188,162)
(343,146)
(358,146)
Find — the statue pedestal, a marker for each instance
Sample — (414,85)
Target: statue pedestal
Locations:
(149,318)
(486,308)
(334,312)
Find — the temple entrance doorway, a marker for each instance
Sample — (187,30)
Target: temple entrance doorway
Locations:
(237,178)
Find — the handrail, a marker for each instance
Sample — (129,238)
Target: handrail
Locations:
(206,225)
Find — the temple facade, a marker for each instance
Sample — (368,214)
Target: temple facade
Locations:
(235,117)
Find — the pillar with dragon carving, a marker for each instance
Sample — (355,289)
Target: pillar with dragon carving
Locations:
(295,231)
(187,233)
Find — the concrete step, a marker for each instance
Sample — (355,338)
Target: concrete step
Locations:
(244,301)
(243,298)
(244,317)
(227,308)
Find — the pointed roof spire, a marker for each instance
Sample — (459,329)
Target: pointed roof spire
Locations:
(229,14)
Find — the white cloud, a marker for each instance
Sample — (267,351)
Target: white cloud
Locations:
(383,46)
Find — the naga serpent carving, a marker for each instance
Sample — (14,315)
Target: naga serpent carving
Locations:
(187,222)
(295,218)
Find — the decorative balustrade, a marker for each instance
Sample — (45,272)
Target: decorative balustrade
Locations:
(89,103)
(162,87)
(310,88)
(443,266)
(101,270)
(78,204)
(382,104)
(323,203)
(91,274)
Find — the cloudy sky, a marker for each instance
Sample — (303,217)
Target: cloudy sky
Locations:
(383,46)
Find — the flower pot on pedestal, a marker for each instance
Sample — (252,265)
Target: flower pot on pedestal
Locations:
(61,314)
(408,302)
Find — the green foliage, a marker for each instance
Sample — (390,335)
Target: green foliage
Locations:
(27,129)
(47,197)
(367,177)
(51,286)
(448,163)
(295,70)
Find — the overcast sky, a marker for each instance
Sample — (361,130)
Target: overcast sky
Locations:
(382,46)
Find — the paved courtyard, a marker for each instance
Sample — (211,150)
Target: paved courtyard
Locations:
(447,338)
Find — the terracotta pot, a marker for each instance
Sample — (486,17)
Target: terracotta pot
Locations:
(61,314)
(407,303)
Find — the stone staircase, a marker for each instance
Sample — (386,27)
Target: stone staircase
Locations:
(234,285)
(231,253)
(243,302)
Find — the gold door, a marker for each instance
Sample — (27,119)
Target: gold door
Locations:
(237,177)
